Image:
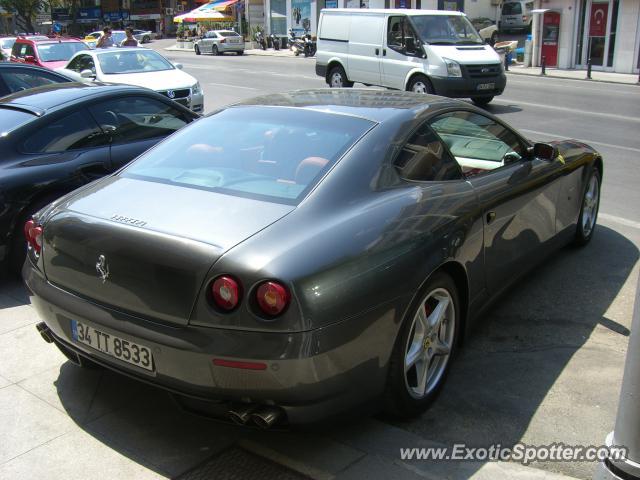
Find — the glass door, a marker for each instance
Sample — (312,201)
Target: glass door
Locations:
(598,29)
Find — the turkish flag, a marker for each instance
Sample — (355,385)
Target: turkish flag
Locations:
(598,22)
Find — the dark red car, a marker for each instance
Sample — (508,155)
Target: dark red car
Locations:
(45,51)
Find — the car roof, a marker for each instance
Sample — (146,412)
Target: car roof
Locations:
(41,100)
(375,105)
(394,11)
(48,40)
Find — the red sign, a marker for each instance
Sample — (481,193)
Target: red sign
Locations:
(598,22)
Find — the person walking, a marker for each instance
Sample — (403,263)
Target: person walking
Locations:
(130,41)
(105,40)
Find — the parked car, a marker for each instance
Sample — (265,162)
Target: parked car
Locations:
(116,35)
(424,51)
(59,137)
(6,43)
(217,42)
(144,36)
(17,77)
(299,255)
(44,51)
(516,15)
(487,29)
(137,66)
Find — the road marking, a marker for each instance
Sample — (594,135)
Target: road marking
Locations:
(588,142)
(231,86)
(518,103)
(620,220)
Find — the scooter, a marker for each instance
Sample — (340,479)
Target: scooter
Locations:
(310,46)
(260,39)
(295,44)
(275,41)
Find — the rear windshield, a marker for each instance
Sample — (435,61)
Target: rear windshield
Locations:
(267,153)
(228,34)
(11,119)
(512,9)
(59,52)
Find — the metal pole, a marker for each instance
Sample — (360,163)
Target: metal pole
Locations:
(589,68)
(544,66)
(627,429)
(506,59)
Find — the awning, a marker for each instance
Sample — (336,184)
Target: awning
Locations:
(198,15)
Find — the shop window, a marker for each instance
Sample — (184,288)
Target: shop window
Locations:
(279,17)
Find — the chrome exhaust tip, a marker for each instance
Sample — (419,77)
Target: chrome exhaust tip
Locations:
(44,332)
(241,415)
(266,417)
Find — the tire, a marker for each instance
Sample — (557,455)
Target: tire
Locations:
(197,49)
(482,101)
(146,39)
(18,250)
(494,39)
(420,84)
(214,50)
(589,210)
(241,52)
(338,78)
(427,341)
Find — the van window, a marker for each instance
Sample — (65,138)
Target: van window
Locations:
(401,36)
(446,30)
(512,8)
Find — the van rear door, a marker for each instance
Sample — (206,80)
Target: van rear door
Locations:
(365,48)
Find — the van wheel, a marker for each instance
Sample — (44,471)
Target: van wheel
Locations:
(482,101)
(420,84)
(338,78)
(197,50)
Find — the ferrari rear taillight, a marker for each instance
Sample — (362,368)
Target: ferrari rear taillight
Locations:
(225,292)
(33,235)
(272,298)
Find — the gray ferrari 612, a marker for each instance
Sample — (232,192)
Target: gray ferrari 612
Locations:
(295,256)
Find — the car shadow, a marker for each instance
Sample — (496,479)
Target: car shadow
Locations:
(506,372)
(498,109)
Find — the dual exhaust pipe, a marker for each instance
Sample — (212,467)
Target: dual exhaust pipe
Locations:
(263,417)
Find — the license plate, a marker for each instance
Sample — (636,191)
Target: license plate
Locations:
(113,346)
(234,40)
(486,86)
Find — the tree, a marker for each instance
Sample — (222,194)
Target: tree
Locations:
(25,11)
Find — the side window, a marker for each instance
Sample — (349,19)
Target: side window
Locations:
(75,64)
(425,158)
(401,36)
(19,50)
(29,51)
(478,143)
(133,119)
(22,80)
(86,63)
(74,131)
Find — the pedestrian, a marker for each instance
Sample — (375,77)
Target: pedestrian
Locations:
(130,41)
(105,40)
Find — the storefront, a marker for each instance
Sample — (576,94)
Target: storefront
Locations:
(90,19)
(147,15)
(603,32)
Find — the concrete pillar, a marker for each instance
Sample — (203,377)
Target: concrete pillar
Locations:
(627,429)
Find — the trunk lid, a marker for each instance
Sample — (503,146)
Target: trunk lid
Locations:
(145,247)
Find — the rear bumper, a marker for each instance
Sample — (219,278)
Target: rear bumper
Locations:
(468,87)
(310,375)
(230,47)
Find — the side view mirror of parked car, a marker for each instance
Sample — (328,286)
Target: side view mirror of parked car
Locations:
(545,151)
(30,59)
(87,74)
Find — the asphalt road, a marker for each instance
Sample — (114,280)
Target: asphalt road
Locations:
(544,366)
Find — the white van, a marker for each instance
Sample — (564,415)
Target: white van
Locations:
(426,51)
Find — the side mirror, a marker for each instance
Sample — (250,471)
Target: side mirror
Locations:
(545,151)
(30,59)
(87,74)
(178,66)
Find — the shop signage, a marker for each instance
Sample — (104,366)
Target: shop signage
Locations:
(91,13)
(60,14)
(43,18)
(331,3)
(115,16)
(146,16)
(300,16)
(598,21)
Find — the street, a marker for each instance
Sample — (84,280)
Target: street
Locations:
(543,366)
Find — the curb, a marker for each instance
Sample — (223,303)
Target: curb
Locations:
(252,52)
(568,77)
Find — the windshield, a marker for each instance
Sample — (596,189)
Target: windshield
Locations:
(7,43)
(446,30)
(59,52)
(511,9)
(132,61)
(267,153)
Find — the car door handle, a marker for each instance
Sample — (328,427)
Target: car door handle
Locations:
(491,216)
(384,52)
(377,51)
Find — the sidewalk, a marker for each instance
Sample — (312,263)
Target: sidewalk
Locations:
(258,52)
(624,78)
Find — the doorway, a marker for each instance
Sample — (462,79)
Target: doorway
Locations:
(597,33)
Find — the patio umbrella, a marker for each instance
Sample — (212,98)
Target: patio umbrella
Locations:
(200,15)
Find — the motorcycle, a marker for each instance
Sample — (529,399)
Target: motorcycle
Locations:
(261,40)
(310,46)
(275,41)
(296,45)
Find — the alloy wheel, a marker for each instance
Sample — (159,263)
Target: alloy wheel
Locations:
(336,80)
(590,206)
(420,87)
(430,343)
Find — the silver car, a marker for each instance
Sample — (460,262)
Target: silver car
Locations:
(144,36)
(217,42)
(516,15)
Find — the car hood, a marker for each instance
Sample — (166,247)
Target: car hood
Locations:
(163,80)
(158,241)
(54,65)
(467,54)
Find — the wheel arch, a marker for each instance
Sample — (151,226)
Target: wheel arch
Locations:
(334,62)
(598,165)
(412,74)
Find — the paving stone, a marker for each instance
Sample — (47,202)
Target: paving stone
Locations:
(4,382)
(27,422)
(373,467)
(23,354)
(156,431)
(76,456)
(12,318)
